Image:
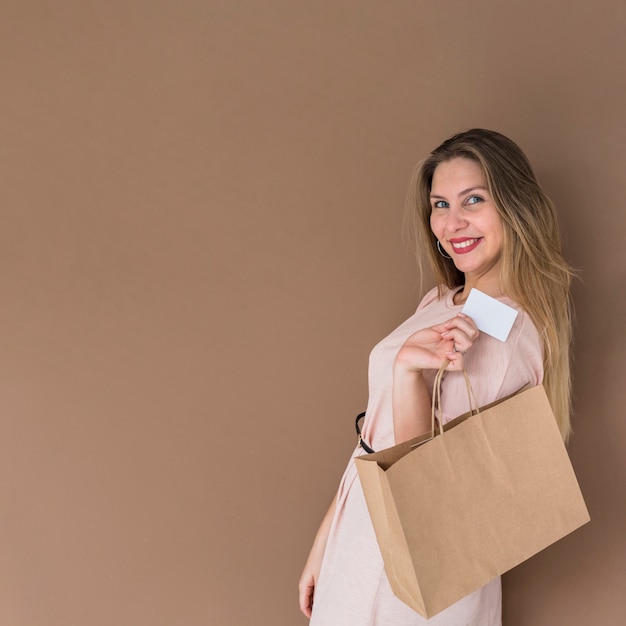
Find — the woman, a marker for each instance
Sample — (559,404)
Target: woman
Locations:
(484,223)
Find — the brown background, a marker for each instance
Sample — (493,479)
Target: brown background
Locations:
(200,242)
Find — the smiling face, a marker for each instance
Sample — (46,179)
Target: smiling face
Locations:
(466,222)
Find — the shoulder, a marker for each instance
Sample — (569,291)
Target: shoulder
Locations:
(432,297)
(523,347)
(524,333)
(516,361)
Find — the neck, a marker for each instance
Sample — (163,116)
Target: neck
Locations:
(490,287)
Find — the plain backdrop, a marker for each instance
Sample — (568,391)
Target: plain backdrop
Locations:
(200,242)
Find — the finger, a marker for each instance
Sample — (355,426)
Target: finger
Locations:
(306,599)
(466,319)
(461,318)
(464,325)
(440,328)
(461,341)
(456,361)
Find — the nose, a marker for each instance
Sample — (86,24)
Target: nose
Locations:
(455,220)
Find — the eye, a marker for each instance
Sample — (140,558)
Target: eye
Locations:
(440,204)
(474,200)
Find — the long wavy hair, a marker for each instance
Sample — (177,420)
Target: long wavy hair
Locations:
(533,272)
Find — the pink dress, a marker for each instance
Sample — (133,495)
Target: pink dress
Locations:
(353,589)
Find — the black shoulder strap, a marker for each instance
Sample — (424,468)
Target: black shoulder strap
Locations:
(360,441)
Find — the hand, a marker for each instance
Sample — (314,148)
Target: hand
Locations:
(430,347)
(311,572)
(306,588)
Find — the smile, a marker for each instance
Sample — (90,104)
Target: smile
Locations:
(462,246)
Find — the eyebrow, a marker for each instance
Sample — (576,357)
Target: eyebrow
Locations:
(462,193)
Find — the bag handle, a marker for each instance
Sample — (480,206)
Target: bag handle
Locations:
(436,401)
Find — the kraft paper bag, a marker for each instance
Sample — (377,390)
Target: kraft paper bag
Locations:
(454,511)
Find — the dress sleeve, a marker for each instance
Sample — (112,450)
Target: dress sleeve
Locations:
(429,298)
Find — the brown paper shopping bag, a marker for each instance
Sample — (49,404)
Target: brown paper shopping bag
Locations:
(453,511)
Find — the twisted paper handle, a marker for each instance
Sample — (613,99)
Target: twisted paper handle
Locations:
(436,402)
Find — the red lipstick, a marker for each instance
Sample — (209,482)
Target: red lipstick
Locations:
(463,245)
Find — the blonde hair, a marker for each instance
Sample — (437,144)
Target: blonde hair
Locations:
(533,271)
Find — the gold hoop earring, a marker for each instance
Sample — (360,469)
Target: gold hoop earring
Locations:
(441,252)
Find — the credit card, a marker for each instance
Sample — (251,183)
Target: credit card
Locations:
(490,315)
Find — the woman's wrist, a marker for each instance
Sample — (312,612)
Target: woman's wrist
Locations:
(405,368)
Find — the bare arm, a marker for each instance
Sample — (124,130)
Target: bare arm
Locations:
(425,349)
(311,572)
(411,404)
